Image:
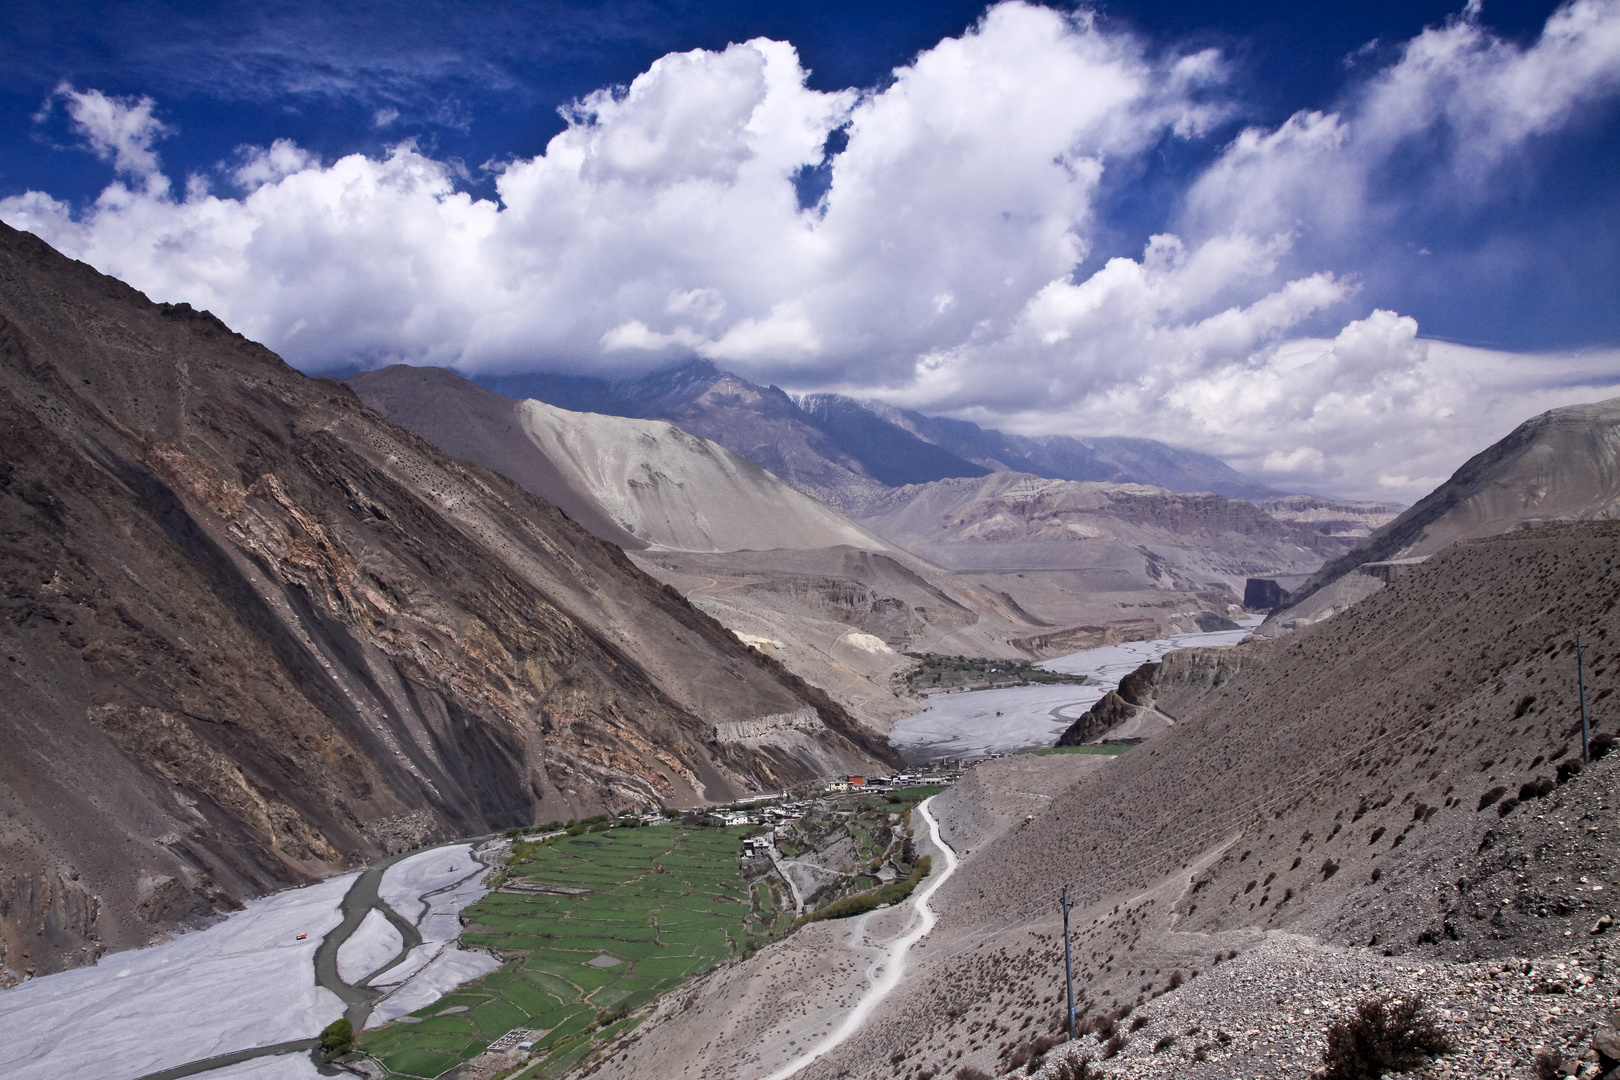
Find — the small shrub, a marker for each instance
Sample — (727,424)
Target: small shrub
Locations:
(1385,1035)
(1077,1070)
(1176,979)
(1140,1021)
(1507,807)
(1165,1042)
(971,1072)
(1376,833)
(1329,868)
(1491,796)
(337,1038)
(1549,1066)
(1535,789)
(1601,745)
(1524,705)
(1113,1046)
(1567,769)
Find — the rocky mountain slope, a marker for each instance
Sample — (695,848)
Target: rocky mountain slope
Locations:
(790,575)
(1563,465)
(846,452)
(763,424)
(1383,801)
(645,481)
(1330,517)
(255,633)
(1096,554)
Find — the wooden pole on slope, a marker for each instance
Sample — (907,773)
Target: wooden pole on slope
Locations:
(1068,964)
(1580,678)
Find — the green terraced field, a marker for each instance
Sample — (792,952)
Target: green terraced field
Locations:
(666,903)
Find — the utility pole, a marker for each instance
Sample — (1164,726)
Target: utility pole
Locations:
(1068,964)
(1580,678)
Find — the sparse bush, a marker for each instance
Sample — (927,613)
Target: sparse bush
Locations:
(1567,769)
(1535,789)
(337,1038)
(1176,979)
(1601,744)
(1113,1046)
(1140,1021)
(1376,833)
(1385,1035)
(1329,868)
(1077,1070)
(1165,1042)
(1549,1066)
(1524,705)
(1491,796)
(1507,807)
(971,1072)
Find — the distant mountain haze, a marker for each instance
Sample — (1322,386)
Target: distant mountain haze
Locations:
(844,451)
(255,634)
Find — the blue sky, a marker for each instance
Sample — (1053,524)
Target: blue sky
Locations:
(1338,245)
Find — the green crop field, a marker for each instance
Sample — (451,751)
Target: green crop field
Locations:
(664,904)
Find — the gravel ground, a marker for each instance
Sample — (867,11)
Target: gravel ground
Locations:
(1265,1013)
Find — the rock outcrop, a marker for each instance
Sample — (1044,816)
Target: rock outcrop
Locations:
(254,633)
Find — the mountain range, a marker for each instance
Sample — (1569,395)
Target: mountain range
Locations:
(1005,565)
(254,634)
(845,452)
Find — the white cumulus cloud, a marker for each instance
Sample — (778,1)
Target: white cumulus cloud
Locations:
(938,270)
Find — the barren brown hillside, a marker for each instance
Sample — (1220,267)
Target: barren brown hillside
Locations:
(254,633)
(1394,719)
(1315,811)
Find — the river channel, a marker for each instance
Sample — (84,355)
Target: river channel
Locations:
(977,723)
(247,997)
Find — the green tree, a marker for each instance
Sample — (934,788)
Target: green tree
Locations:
(337,1038)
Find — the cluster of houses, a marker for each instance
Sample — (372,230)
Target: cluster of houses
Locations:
(949,771)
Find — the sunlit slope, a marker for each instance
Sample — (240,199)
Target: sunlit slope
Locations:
(681,492)
(1561,466)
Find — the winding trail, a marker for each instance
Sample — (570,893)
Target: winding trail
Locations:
(887,970)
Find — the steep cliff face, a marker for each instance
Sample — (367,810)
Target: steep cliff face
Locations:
(254,633)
